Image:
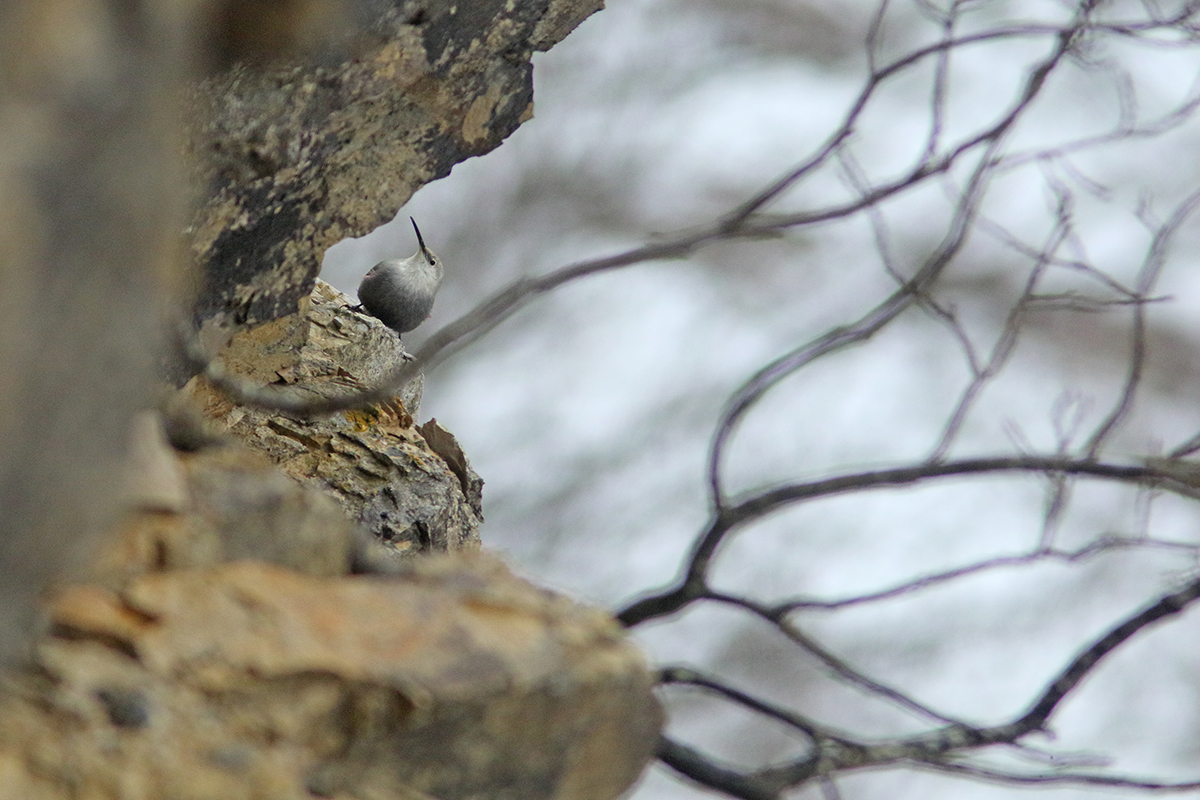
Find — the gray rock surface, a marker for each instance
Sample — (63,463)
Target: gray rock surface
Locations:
(295,157)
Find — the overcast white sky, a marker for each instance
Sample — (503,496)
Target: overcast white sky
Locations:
(590,413)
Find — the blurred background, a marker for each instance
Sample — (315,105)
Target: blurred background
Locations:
(590,413)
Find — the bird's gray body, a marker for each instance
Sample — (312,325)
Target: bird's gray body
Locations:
(400,291)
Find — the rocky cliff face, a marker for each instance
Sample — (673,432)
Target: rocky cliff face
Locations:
(293,157)
(246,617)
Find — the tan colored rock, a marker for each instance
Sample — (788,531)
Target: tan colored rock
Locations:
(310,121)
(455,679)
(324,349)
(154,479)
(237,505)
(373,462)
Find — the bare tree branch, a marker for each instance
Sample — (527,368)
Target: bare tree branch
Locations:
(692,586)
(875,320)
(1053,778)
(1147,278)
(934,749)
(1092,549)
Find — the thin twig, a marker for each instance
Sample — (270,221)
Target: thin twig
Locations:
(1098,547)
(1147,278)
(748,395)
(692,586)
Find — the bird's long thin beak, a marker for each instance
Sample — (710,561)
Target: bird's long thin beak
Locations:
(420,241)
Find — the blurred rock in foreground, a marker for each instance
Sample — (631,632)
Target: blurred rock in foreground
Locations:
(247,680)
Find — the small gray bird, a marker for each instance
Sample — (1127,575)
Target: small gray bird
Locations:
(400,291)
